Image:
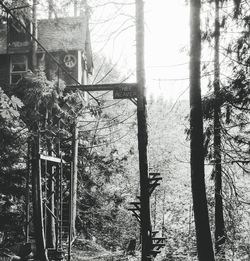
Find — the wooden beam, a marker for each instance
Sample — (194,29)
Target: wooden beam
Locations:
(100,87)
(51,158)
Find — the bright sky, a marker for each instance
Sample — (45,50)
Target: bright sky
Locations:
(166,42)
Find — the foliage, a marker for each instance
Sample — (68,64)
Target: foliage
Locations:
(171,203)
(104,181)
(233,99)
(10,140)
(12,136)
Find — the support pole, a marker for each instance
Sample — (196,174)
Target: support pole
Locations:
(75,177)
(51,227)
(146,229)
(37,201)
(50,176)
(27,195)
(34,34)
(70,211)
(75,8)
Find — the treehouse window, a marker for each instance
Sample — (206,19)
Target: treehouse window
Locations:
(18,67)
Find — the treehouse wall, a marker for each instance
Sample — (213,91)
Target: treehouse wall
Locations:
(71,61)
(4,70)
(14,66)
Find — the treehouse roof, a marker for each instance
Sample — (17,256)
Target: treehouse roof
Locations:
(59,34)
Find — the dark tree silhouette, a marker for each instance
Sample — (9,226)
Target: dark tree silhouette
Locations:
(219,219)
(203,235)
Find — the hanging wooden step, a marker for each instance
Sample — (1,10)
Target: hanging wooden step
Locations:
(137,205)
(154,233)
(157,243)
(154,253)
(159,238)
(136,215)
(154,179)
(136,210)
(154,174)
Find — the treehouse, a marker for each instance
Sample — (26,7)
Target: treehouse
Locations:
(67,39)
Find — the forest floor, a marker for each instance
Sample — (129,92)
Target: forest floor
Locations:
(88,250)
(82,250)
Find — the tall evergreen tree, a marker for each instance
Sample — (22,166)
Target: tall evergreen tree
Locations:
(203,235)
(219,219)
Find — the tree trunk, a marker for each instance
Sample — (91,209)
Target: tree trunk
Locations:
(219,219)
(34,33)
(163,229)
(50,8)
(203,235)
(146,229)
(36,162)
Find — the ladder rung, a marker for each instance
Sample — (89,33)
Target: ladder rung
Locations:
(133,209)
(155,251)
(154,174)
(155,179)
(158,245)
(51,158)
(154,185)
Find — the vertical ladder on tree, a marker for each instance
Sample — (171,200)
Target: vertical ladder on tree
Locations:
(51,196)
